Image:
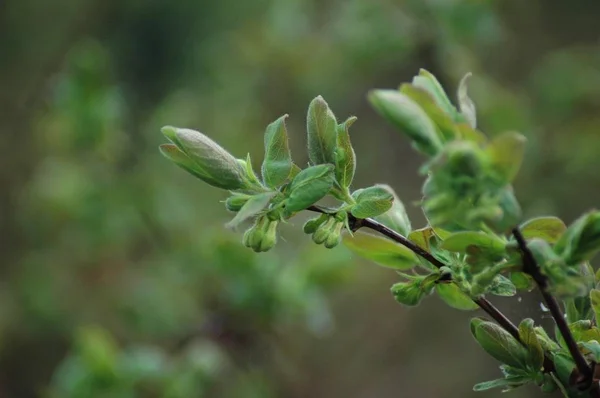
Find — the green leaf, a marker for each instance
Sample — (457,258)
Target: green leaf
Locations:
(427,81)
(593,347)
(380,250)
(460,242)
(406,115)
(454,297)
(174,154)
(547,228)
(466,105)
(581,241)
(564,365)
(502,286)
(250,175)
(507,384)
(506,152)
(309,186)
(595,302)
(345,158)
(468,133)
(255,205)
(372,201)
(425,100)
(322,132)
(213,164)
(277,164)
(396,217)
(500,344)
(421,237)
(521,280)
(529,338)
(411,293)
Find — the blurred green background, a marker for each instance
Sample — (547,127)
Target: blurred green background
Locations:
(117,276)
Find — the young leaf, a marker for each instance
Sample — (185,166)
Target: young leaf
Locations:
(411,293)
(460,242)
(506,152)
(529,338)
(174,154)
(421,237)
(502,286)
(507,384)
(309,186)
(409,117)
(593,347)
(371,202)
(425,100)
(213,164)
(380,250)
(521,280)
(251,208)
(454,297)
(547,228)
(322,132)
(426,81)
(500,344)
(277,164)
(467,107)
(581,241)
(396,217)
(249,173)
(345,158)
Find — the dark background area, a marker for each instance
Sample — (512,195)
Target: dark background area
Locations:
(117,277)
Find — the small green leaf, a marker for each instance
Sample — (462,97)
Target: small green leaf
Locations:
(564,365)
(466,105)
(345,158)
(506,152)
(502,286)
(249,173)
(460,242)
(455,297)
(500,344)
(277,164)
(547,228)
(581,241)
(411,293)
(322,132)
(236,201)
(380,250)
(174,154)
(507,384)
(396,217)
(521,281)
(409,117)
(529,338)
(427,81)
(255,205)
(468,133)
(421,237)
(213,164)
(372,201)
(593,347)
(309,186)
(425,100)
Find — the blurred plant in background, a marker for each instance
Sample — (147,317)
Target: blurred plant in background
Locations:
(98,235)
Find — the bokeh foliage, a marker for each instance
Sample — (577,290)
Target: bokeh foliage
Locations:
(104,248)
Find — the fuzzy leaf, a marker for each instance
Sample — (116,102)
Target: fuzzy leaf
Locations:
(277,164)
(174,154)
(502,286)
(506,384)
(466,105)
(255,205)
(345,158)
(406,115)
(322,132)
(460,242)
(547,228)
(396,217)
(454,297)
(500,344)
(427,81)
(411,293)
(506,152)
(425,100)
(529,338)
(309,186)
(372,201)
(380,250)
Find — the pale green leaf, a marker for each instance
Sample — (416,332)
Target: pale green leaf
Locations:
(309,186)
(277,164)
(427,81)
(322,132)
(466,105)
(506,152)
(255,205)
(547,228)
(372,201)
(461,241)
(530,339)
(345,158)
(380,250)
(454,297)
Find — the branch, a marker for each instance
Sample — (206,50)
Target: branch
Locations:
(531,267)
(484,304)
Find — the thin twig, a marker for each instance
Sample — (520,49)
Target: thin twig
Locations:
(531,267)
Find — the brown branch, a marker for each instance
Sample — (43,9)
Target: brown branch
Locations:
(531,267)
